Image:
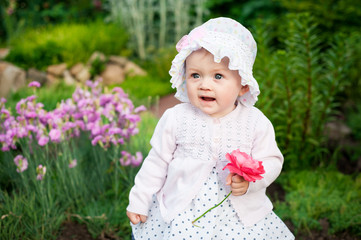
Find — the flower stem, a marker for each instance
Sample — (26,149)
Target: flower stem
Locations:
(210,209)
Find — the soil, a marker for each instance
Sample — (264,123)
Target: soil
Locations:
(76,231)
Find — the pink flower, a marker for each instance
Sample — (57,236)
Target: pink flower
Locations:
(73,163)
(55,135)
(126,159)
(34,84)
(244,165)
(97,139)
(137,160)
(21,163)
(43,140)
(40,170)
(140,109)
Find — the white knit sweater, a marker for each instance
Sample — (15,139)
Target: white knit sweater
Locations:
(188,143)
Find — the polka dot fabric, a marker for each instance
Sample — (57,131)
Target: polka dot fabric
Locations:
(220,223)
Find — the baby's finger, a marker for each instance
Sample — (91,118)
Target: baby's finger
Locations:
(238,191)
(133,217)
(143,218)
(229,178)
(237,179)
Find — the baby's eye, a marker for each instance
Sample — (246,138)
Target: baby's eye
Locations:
(195,75)
(218,76)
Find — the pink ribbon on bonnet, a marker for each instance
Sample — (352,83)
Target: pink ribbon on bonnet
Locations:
(186,40)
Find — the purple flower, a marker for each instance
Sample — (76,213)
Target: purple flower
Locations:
(30,115)
(115,130)
(21,132)
(68,125)
(5,112)
(40,171)
(80,124)
(55,135)
(137,160)
(120,91)
(2,100)
(105,99)
(140,109)
(73,163)
(30,98)
(97,139)
(34,84)
(92,84)
(19,106)
(43,140)
(126,159)
(96,130)
(21,163)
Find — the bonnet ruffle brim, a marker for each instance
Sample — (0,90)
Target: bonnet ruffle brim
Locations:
(222,37)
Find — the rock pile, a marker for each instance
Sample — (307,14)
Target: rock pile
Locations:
(114,70)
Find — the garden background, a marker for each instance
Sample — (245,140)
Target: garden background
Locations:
(71,148)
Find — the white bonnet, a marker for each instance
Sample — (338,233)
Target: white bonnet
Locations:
(223,37)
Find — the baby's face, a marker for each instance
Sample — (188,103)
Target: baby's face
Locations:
(211,86)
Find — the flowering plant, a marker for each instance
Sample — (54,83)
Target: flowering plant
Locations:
(244,165)
(52,155)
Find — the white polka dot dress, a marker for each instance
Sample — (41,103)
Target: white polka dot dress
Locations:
(220,223)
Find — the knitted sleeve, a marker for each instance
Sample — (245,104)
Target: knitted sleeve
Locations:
(153,172)
(265,149)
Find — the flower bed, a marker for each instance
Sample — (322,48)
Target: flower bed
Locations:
(57,161)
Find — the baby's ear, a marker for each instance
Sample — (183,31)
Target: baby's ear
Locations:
(244,89)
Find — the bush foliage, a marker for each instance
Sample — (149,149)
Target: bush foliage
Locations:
(316,195)
(301,83)
(70,43)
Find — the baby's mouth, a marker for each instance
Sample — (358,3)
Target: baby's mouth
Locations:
(208,99)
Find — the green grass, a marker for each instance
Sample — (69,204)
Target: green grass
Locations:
(49,96)
(145,90)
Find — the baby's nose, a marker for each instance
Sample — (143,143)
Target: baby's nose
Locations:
(205,84)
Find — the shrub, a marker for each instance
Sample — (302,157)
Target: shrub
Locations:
(70,43)
(300,84)
(318,194)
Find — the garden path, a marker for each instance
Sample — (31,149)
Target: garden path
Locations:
(163,104)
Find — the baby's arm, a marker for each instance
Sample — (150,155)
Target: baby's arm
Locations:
(135,218)
(265,149)
(239,186)
(151,176)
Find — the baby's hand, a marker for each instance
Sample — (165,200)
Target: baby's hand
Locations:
(135,218)
(239,186)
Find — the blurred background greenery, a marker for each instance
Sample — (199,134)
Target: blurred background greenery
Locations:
(308,67)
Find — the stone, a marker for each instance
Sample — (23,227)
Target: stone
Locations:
(57,70)
(4,52)
(337,130)
(113,74)
(83,75)
(131,69)
(12,78)
(76,69)
(68,79)
(36,75)
(96,55)
(121,61)
(51,79)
